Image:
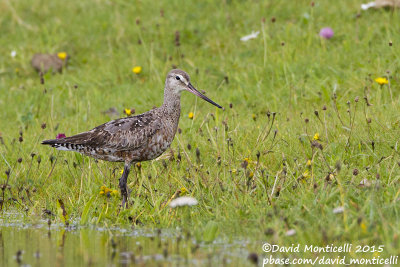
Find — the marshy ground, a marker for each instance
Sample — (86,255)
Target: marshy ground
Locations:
(305,151)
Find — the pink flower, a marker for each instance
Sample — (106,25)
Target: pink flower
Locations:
(326,33)
(60,135)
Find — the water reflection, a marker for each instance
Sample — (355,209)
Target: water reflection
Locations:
(41,244)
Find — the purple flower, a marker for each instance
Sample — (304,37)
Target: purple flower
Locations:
(326,33)
(60,135)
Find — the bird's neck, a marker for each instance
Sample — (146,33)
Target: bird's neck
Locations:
(172,103)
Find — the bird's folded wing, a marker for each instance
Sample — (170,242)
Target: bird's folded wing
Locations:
(118,135)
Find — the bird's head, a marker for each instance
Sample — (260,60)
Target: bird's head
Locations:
(178,81)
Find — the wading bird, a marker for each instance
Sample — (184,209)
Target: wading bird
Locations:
(136,138)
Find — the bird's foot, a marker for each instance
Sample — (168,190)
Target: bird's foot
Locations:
(124,203)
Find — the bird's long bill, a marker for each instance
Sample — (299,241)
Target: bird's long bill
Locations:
(195,92)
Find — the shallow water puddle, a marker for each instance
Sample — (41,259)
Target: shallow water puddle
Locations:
(39,244)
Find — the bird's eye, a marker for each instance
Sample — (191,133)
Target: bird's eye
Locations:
(178,78)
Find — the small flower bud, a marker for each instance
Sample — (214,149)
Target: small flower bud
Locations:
(316,144)
(198,153)
(177,38)
(253,258)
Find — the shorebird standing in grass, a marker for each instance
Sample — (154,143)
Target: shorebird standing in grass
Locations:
(136,138)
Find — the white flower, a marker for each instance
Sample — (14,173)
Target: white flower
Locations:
(183,201)
(252,35)
(13,53)
(338,210)
(290,232)
(365,183)
(368,5)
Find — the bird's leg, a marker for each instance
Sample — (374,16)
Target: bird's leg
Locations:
(122,185)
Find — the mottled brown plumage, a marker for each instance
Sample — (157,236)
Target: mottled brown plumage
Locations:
(136,138)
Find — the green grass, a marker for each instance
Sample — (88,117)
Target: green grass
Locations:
(288,70)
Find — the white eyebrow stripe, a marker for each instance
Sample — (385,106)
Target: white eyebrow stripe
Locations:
(183,79)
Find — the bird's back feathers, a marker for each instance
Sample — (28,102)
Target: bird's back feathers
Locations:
(118,135)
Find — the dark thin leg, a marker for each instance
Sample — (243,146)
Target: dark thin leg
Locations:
(122,185)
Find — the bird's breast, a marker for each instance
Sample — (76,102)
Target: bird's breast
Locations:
(159,142)
(157,145)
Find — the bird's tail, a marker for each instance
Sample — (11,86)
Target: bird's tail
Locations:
(63,144)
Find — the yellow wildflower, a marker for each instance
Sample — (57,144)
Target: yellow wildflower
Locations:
(251,174)
(306,174)
(138,165)
(248,161)
(62,55)
(316,136)
(184,191)
(105,191)
(191,115)
(137,69)
(128,111)
(381,80)
(363,227)
(121,171)
(308,163)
